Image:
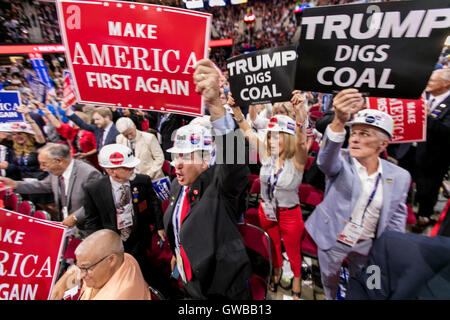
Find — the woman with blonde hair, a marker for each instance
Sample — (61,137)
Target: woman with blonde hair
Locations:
(283,157)
(283,108)
(27,139)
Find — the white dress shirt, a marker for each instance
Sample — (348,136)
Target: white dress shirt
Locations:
(117,191)
(369,218)
(105,133)
(66,175)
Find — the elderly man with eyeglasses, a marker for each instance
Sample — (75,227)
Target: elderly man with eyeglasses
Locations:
(107,272)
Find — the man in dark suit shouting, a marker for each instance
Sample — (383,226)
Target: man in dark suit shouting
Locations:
(124,202)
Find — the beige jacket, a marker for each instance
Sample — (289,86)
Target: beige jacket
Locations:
(149,151)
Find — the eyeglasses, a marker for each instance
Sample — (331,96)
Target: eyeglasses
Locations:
(91,267)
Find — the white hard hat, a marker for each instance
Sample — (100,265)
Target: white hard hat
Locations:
(191,138)
(281,123)
(5,127)
(21,127)
(202,121)
(375,118)
(117,155)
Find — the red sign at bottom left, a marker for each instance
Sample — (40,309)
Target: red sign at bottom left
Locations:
(29,256)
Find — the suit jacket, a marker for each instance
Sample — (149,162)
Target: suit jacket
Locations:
(148,150)
(411,267)
(82,175)
(434,154)
(209,234)
(98,132)
(101,212)
(342,191)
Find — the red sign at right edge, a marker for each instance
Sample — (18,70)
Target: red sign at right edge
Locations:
(410,123)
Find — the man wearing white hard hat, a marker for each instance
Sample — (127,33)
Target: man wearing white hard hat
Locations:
(200,221)
(364,195)
(124,202)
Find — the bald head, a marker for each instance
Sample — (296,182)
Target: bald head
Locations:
(101,242)
(99,256)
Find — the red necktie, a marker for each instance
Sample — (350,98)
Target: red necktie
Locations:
(184,211)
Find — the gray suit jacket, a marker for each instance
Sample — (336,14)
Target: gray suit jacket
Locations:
(82,174)
(342,191)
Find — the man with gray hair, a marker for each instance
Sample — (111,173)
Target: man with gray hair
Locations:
(432,157)
(145,147)
(108,273)
(67,180)
(364,195)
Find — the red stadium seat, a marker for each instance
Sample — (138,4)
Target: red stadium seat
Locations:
(166,168)
(26,208)
(256,186)
(251,216)
(315,146)
(252,179)
(411,219)
(164,205)
(258,242)
(3,195)
(309,162)
(310,195)
(12,202)
(42,214)
(71,247)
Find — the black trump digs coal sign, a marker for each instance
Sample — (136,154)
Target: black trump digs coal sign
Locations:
(384,49)
(263,76)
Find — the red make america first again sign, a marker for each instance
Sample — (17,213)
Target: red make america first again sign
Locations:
(409,117)
(29,256)
(134,55)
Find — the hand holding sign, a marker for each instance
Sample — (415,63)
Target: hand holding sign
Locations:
(346,103)
(298,101)
(230,100)
(206,80)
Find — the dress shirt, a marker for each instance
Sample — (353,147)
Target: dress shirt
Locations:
(117,191)
(105,133)
(66,175)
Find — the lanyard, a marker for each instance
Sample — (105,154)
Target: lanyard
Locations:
(271,187)
(372,195)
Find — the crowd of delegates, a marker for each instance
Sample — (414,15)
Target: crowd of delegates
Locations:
(19,18)
(92,169)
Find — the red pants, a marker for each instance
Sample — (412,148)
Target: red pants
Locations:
(290,226)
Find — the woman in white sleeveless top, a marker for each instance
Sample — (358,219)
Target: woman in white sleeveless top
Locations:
(283,156)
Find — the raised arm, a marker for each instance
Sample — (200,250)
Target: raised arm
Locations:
(78,121)
(38,135)
(50,117)
(346,103)
(246,129)
(301,117)
(233,176)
